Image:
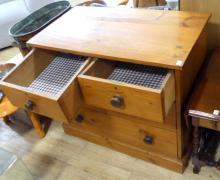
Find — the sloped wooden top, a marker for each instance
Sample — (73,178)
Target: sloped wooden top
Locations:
(151,37)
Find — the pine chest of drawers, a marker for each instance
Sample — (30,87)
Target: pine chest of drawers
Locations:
(117,77)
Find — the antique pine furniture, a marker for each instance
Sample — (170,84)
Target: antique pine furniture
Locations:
(137,118)
(204,111)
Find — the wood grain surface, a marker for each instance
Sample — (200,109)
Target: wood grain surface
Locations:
(160,38)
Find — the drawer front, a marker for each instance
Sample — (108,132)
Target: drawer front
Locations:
(209,124)
(128,130)
(152,104)
(61,106)
(43,106)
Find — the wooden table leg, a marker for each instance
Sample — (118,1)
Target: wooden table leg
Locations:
(36,123)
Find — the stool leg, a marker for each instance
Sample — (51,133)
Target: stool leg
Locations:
(6,119)
(37,125)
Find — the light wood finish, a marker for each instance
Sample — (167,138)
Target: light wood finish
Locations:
(173,40)
(126,133)
(169,163)
(192,66)
(96,32)
(210,6)
(6,108)
(79,159)
(146,3)
(37,125)
(184,81)
(61,107)
(127,130)
(98,91)
(59,156)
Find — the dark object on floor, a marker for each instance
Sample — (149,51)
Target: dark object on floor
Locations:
(204,113)
(35,22)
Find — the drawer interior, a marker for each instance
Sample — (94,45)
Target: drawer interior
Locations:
(129,73)
(45,82)
(46,72)
(139,90)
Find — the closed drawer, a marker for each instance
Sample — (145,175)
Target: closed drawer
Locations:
(45,83)
(125,129)
(137,90)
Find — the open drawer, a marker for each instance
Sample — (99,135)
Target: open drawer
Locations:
(45,83)
(138,90)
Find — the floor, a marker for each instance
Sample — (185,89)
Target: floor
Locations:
(61,157)
(8,53)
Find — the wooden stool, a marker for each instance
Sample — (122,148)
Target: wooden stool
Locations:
(204,112)
(7,109)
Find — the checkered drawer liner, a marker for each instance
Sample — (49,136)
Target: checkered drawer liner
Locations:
(142,75)
(57,74)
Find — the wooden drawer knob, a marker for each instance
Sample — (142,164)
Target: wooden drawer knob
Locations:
(29,105)
(148,139)
(117,101)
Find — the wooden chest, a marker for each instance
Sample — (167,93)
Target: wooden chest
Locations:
(127,93)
